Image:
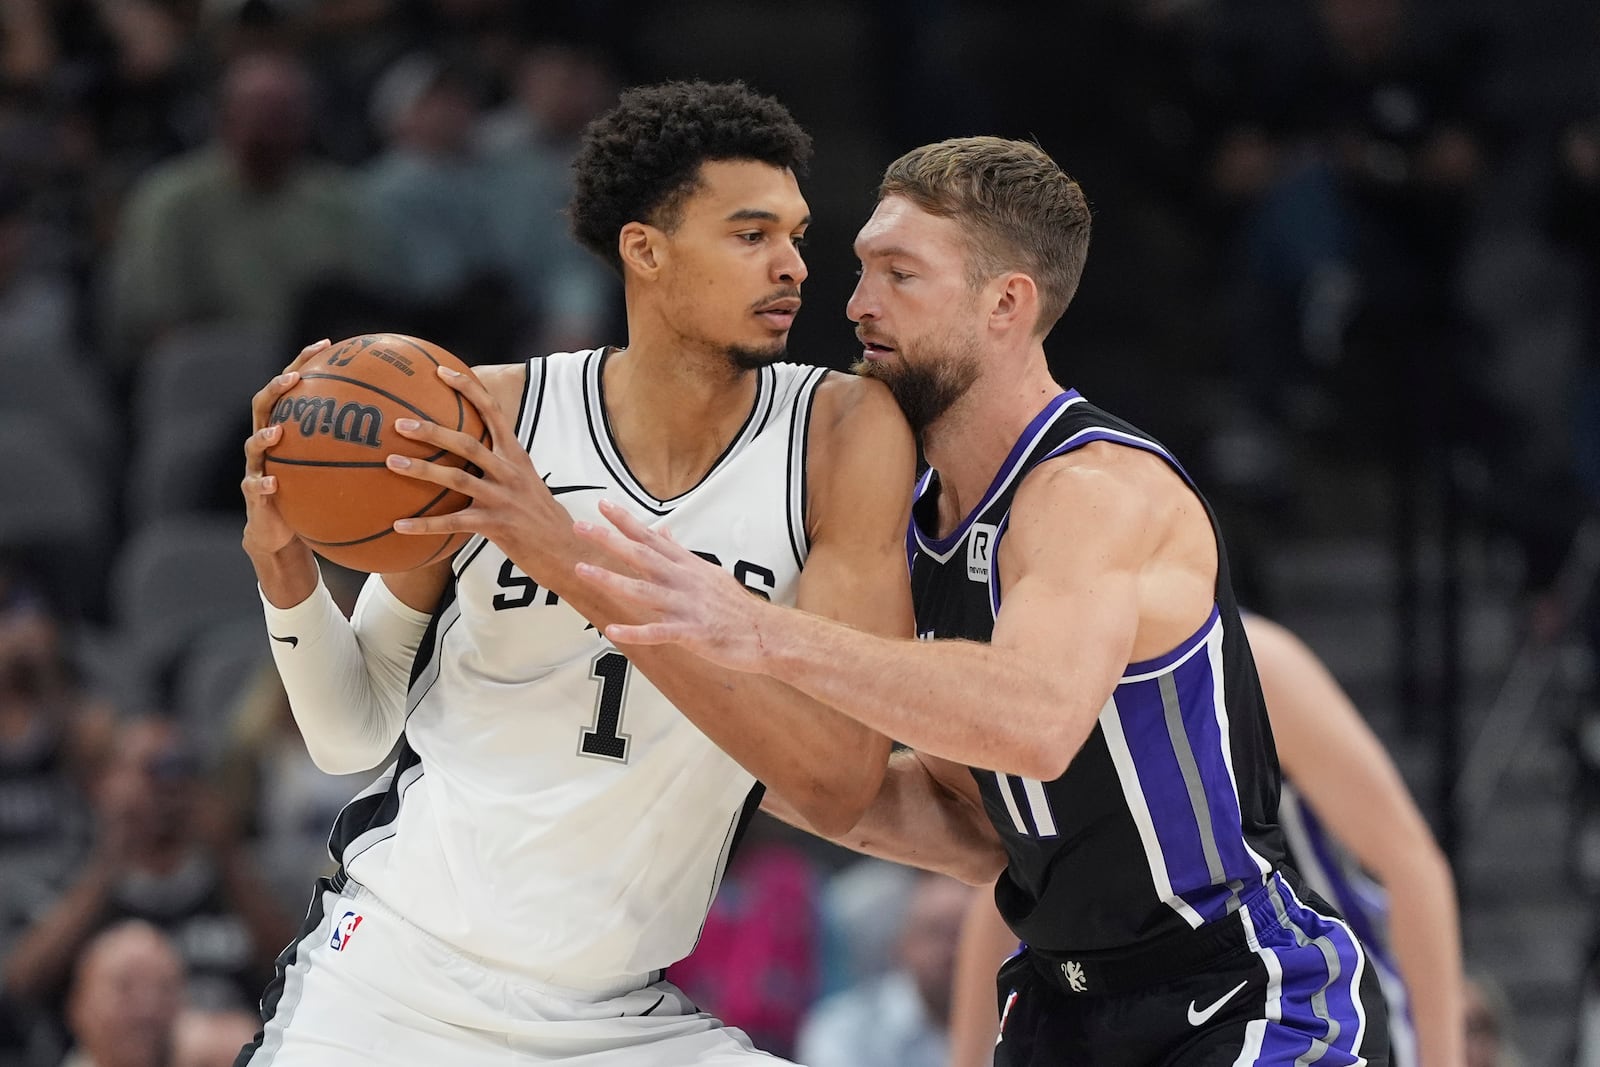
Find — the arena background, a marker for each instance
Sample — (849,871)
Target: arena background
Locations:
(1346,263)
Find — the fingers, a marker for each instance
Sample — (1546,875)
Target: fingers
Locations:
(634,530)
(256,482)
(649,633)
(266,398)
(468,385)
(307,354)
(463,445)
(463,521)
(439,474)
(632,591)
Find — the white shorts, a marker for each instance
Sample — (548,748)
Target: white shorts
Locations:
(364,986)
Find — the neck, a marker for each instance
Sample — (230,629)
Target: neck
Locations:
(968,443)
(673,409)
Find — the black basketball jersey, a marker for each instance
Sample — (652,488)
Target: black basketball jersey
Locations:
(1167,813)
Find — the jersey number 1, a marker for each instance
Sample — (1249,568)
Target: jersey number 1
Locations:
(604,739)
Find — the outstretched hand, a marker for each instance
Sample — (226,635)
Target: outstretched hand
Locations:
(693,603)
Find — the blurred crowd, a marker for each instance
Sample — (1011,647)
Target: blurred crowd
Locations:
(1332,234)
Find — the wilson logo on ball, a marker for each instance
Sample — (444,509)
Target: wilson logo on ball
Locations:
(350,421)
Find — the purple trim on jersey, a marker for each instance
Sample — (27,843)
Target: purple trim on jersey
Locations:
(1019,452)
(1202,846)
(1121,438)
(1143,716)
(917,492)
(1185,648)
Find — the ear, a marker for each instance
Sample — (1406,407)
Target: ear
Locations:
(1016,302)
(640,246)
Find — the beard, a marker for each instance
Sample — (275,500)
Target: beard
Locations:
(927,389)
(746,358)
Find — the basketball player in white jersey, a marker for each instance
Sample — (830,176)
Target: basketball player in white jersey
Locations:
(560,810)
(1341,773)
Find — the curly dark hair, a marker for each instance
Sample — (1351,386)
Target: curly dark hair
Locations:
(640,161)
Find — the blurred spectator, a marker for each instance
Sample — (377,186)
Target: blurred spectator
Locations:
(1350,165)
(531,142)
(52,738)
(239,229)
(284,803)
(1488,1026)
(429,204)
(900,1017)
(164,853)
(861,904)
(126,992)
(426,190)
(38,304)
(755,966)
(212,1038)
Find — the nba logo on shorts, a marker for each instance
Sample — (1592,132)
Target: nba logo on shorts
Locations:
(980,543)
(344,931)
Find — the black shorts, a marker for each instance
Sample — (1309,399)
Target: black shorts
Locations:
(1295,986)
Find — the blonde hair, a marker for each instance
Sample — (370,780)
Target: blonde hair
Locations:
(1017,207)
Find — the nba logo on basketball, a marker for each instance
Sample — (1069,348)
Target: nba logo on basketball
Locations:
(344,931)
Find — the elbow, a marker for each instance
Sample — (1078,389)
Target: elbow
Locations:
(337,759)
(1044,759)
(980,867)
(832,808)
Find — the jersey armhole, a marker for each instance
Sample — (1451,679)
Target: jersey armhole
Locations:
(532,401)
(798,472)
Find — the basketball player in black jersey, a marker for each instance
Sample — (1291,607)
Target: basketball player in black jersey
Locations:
(1083,714)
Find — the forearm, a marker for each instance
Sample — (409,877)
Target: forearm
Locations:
(938,697)
(765,726)
(43,955)
(346,683)
(918,822)
(1425,930)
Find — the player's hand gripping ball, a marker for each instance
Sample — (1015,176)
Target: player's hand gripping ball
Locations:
(338,426)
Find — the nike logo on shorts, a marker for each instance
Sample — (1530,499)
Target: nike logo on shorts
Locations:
(1199,1018)
(291,641)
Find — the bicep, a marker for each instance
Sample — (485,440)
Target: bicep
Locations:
(859,510)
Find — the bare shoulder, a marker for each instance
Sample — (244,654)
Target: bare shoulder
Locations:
(861,458)
(505,382)
(1099,485)
(851,411)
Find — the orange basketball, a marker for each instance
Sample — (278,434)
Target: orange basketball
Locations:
(334,489)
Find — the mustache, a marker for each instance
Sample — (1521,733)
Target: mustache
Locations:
(866,336)
(788,292)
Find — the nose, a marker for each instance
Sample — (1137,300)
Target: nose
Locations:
(859,307)
(790,267)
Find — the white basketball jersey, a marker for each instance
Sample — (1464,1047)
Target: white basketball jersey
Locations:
(550,811)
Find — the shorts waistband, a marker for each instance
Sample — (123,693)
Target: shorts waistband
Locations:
(1151,963)
(571,987)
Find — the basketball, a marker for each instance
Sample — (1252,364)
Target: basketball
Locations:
(334,488)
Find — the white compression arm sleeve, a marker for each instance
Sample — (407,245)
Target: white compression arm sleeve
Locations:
(347,682)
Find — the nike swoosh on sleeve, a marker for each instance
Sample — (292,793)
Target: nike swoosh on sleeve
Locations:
(291,640)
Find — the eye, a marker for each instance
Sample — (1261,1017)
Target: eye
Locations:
(754,237)
(898,275)
(798,240)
